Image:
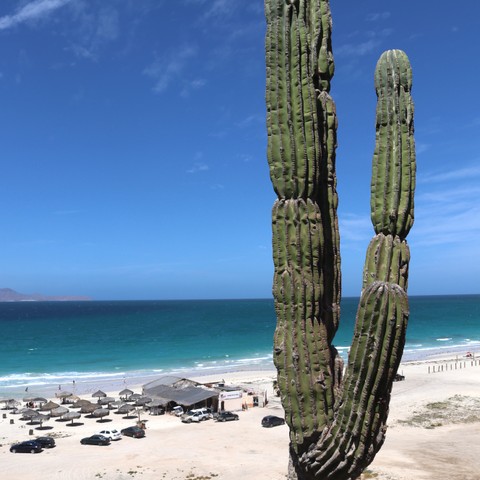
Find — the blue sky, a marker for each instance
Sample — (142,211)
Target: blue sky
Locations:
(133,145)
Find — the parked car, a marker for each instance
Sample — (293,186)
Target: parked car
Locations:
(226,417)
(272,421)
(178,411)
(135,432)
(30,446)
(196,415)
(111,433)
(46,442)
(95,440)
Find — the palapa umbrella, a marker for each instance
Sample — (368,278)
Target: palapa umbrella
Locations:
(71,399)
(135,396)
(106,400)
(28,413)
(125,393)
(125,408)
(88,408)
(49,406)
(143,401)
(99,394)
(63,394)
(70,416)
(39,418)
(10,403)
(59,411)
(34,399)
(100,413)
(80,403)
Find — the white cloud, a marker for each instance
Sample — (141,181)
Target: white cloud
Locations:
(34,10)
(358,48)
(462,173)
(374,17)
(198,167)
(195,84)
(165,70)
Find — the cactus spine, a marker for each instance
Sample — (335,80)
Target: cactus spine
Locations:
(336,425)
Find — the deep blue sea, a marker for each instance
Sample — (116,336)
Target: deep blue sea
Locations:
(59,342)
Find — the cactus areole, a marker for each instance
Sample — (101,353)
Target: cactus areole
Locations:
(337,419)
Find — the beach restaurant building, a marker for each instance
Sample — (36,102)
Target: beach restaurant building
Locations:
(171,391)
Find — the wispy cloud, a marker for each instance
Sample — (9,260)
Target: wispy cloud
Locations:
(34,10)
(166,69)
(198,167)
(189,87)
(448,207)
(375,17)
(463,173)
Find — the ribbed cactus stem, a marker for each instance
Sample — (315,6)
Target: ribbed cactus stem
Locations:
(393,178)
(336,427)
(301,120)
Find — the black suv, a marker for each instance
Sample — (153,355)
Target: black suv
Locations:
(46,442)
(272,421)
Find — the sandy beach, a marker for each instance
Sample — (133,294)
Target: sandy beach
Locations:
(434,426)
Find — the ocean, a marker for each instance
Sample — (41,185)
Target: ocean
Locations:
(66,343)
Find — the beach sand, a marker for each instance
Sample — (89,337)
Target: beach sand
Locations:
(434,427)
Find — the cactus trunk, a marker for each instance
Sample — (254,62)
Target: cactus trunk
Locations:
(336,425)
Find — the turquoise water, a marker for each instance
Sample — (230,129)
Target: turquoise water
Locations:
(59,342)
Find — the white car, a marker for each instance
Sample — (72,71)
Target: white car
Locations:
(197,415)
(112,433)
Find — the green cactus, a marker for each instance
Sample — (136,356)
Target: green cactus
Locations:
(336,424)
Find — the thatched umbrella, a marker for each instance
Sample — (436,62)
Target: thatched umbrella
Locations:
(106,401)
(143,401)
(48,406)
(70,416)
(125,409)
(39,418)
(34,399)
(58,412)
(99,394)
(63,395)
(10,403)
(28,413)
(135,396)
(100,413)
(88,408)
(125,393)
(71,399)
(80,403)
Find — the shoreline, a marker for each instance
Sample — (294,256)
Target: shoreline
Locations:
(116,382)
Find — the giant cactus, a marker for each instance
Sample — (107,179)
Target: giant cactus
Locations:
(336,424)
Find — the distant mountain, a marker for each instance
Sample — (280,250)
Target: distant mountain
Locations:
(9,295)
